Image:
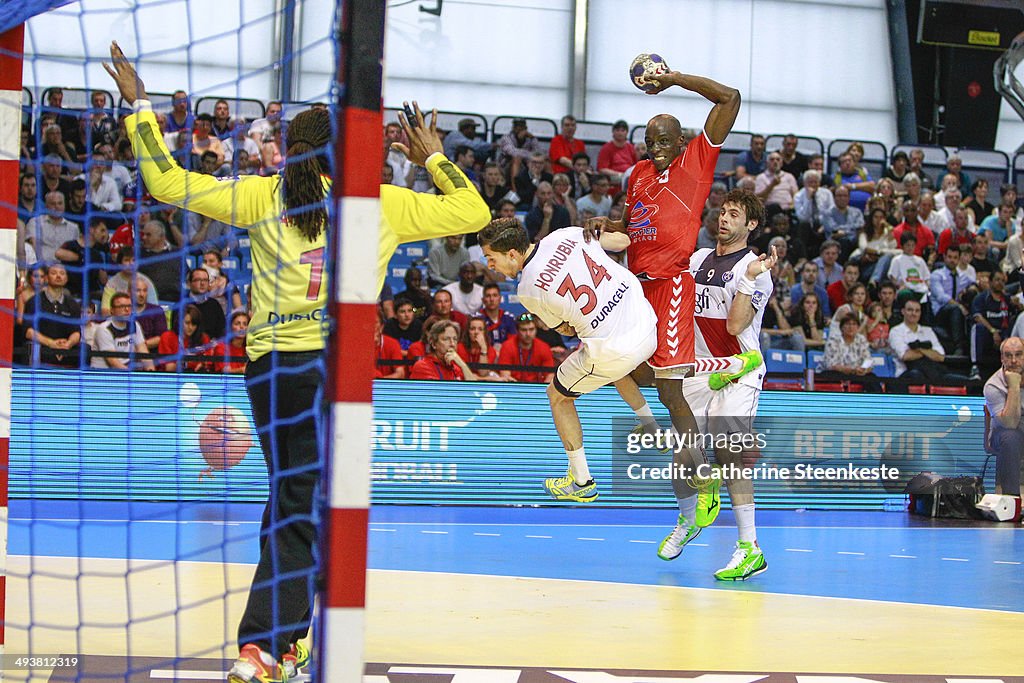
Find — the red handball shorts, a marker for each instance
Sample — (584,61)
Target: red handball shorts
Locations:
(673,301)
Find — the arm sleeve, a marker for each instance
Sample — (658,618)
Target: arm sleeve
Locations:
(420,216)
(541,309)
(898,342)
(241,201)
(103,341)
(939,295)
(803,206)
(995,400)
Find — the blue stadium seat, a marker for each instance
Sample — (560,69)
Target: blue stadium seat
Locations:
(884,366)
(780,361)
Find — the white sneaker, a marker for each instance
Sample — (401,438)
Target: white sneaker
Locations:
(683,533)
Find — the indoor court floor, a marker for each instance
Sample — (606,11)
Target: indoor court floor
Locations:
(534,595)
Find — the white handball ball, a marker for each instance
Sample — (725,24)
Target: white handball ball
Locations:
(645,68)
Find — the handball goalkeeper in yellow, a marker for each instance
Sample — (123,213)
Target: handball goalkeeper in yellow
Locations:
(287,221)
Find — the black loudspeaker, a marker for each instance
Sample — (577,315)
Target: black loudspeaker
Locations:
(983,24)
(971,101)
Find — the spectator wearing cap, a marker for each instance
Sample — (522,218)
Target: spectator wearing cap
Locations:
(617,155)
(467,295)
(528,179)
(466,135)
(444,261)
(515,147)
(898,170)
(524,349)
(564,147)
(48,231)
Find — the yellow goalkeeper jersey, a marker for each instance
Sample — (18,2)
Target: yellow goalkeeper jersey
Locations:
(289,283)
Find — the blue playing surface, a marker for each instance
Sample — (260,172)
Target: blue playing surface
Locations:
(863,555)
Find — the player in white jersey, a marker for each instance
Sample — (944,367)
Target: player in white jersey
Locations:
(576,288)
(733,286)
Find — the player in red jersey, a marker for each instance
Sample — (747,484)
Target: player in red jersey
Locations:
(664,201)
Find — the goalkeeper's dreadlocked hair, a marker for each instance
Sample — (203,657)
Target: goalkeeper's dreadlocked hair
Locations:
(307,138)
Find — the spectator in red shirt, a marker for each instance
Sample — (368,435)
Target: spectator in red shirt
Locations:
(192,342)
(230,357)
(925,237)
(443,309)
(565,146)
(959,234)
(837,290)
(388,348)
(475,347)
(443,361)
(617,155)
(526,349)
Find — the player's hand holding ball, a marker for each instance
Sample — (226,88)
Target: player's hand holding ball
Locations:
(650,73)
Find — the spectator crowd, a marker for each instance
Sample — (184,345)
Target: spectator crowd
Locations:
(918,267)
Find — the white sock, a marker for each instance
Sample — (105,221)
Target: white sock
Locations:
(578,466)
(688,508)
(745,522)
(645,414)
